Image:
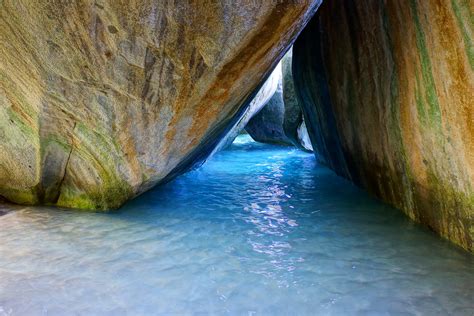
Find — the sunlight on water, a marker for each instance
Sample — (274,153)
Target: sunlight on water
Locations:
(258,230)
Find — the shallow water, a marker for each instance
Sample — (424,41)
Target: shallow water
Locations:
(258,230)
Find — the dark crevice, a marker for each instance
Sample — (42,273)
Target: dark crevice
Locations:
(56,198)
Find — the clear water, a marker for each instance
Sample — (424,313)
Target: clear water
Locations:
(258,230)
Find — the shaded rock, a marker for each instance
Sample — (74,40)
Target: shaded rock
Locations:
(6,208)
(293,123)
(386,88)
(267,125)
(100,102)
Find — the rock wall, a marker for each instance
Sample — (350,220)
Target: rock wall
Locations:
(387,89)
(101,100)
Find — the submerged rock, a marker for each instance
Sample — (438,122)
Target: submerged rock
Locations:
(281,120)
(101,100)
(386,88)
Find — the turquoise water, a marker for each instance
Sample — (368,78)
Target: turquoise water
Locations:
(258,230)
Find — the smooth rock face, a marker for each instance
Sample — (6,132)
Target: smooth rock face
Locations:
(281,120)
(262,97)
(101,100)
(387,91)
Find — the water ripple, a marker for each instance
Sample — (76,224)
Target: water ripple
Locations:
(258,230)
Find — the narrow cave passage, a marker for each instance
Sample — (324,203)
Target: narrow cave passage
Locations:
(257,229)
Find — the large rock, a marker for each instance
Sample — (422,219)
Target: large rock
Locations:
(101,100)
(387,88)
(281,120)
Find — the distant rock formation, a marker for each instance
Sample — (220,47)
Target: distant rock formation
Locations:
(261,99)
(281,120)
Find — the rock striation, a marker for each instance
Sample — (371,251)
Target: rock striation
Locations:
(387,91)
(101,100)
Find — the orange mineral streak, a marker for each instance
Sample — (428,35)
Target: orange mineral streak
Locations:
(229,86)
(113,95)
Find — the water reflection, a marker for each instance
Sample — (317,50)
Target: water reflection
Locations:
(272,225)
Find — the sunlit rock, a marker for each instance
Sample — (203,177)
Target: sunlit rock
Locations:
(101,100)
(303,137)
(387,89)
